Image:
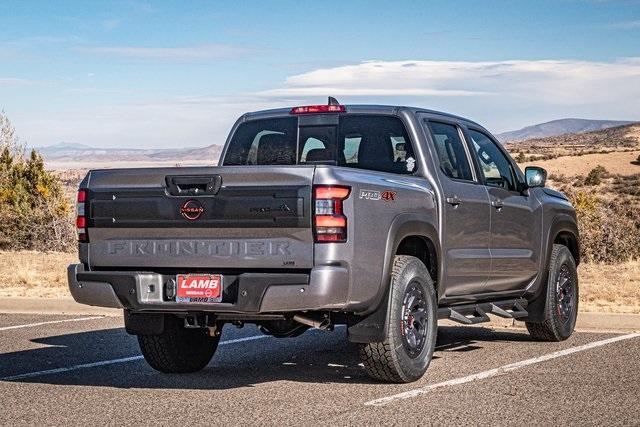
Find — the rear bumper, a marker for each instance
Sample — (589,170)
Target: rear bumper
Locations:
(324,288)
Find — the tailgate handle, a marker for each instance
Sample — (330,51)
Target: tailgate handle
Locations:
(194,185)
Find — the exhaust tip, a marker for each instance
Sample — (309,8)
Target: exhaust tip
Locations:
(322,323)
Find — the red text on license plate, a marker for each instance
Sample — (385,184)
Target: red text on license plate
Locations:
(201,287)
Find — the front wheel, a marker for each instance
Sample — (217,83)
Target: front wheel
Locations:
(410,340)
(561,306)
(178,349)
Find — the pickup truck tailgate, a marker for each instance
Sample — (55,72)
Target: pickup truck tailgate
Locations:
(200,218)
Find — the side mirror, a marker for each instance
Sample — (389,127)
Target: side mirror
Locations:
(535,176)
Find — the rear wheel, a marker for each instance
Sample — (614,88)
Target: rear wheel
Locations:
(178,349)
(561,298)
(406,351)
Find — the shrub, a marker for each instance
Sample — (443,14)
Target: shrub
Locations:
(34,213)
(584,203)
(595,175)
(521,158)
(609,231)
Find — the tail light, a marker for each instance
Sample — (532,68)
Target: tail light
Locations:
(330,222)
(81,219)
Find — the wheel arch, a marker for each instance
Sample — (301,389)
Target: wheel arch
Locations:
(409,234)
(569,239)
(423,248)
(563,230)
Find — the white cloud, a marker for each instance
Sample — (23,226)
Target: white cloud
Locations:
(209,51)
(503,95)
(567,82)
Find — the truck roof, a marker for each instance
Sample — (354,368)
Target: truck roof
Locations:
(360,108)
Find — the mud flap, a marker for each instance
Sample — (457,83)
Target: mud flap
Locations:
(371,327)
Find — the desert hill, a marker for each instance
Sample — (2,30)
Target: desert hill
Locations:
(558,127)
(617,149)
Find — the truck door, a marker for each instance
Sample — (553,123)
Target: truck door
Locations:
(516,218)
(464,213)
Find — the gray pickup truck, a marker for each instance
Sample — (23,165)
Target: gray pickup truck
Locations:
(381,218)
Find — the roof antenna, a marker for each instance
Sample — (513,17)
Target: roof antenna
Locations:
(333,101)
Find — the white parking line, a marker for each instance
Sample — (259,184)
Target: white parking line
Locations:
(30,325)
(109,362)
(497,371)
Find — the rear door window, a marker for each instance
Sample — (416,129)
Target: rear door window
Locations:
(452,155)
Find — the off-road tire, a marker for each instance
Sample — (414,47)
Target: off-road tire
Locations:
(554,327)
(178,350)
(390,360)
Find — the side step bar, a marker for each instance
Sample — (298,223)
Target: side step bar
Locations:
(470,314)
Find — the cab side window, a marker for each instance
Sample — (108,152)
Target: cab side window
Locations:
(451,153)
(494,165)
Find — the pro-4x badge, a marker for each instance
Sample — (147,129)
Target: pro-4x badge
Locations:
(386,195)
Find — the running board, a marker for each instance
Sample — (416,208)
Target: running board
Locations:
(470,314)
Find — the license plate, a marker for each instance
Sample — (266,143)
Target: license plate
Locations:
(201,288)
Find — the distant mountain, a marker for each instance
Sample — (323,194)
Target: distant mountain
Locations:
(626,136)
(559,127)
(61,148)
(68,152)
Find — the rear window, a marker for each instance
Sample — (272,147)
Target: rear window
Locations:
(370,142)
(264,142)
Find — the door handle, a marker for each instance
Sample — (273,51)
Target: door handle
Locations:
(497,203)
(454,201)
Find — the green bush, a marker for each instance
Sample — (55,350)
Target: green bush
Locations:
(34,213)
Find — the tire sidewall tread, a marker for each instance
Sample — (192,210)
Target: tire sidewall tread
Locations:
(388,360)
(552,328)
(178,349)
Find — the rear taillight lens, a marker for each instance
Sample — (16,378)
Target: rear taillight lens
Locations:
(81,219)
(330,221)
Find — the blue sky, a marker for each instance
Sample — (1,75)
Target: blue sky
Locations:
(175,73)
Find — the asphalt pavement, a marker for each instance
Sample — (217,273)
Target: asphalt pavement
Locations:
(80,370)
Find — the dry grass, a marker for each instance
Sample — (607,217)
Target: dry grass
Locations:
(610,288)
(34,274)
(620,162)
(603,288)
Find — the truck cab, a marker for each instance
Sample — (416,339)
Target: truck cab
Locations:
(382,218)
